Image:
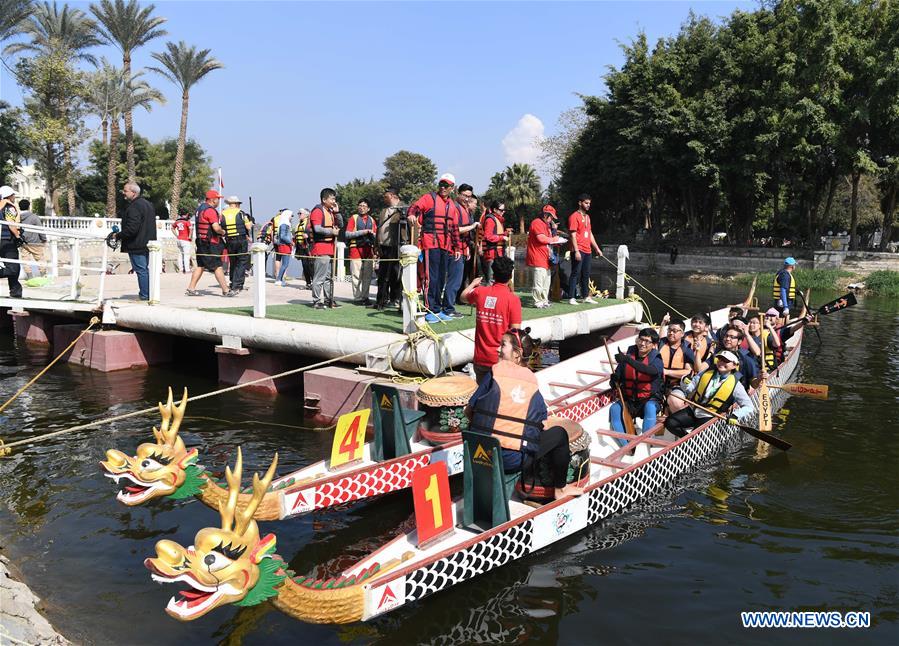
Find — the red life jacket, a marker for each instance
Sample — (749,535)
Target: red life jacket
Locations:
(637,386)
(434,222)
(205,232)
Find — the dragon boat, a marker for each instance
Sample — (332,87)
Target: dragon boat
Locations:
(492,524)
(402,443)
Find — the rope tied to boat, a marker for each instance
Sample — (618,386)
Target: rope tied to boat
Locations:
(648,291)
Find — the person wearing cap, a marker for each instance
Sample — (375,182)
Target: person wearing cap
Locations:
(437,214)
(10,239)
(717,389)
(181,228)
(360,233)
(732,340)
(393,232)
(237,228)
(495,238)
(783,290)
(209,245)
(582,244)
(324,221)
(540,238)
(301,246)
(138,228)
(639,373)
(456,264)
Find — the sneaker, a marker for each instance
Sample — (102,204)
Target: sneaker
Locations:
(430,318)
(590,300)
(192,292)
(230,293)
(573,301)
(457,315)
(319,306)
(444,317)
(278,283)
(334,304)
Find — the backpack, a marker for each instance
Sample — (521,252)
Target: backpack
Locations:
(267,231)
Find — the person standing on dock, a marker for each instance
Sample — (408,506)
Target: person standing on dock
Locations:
(138,228)
(33,248)
(324,230)
(301,246)
(181,227)
(582,245)
(456,263)
(540,239)
(209,245)
(361,230)
(283,244)
(9,241)
(495,238)
(238,234)
(784,288)
(498,309)
(393,233)
(437,214)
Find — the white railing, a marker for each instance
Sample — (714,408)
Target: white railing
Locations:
(76,266)
(100,226)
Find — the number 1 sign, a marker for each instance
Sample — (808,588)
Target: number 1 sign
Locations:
(433,505)
(349,438)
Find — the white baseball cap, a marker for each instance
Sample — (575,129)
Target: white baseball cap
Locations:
(728,355)
(233,200)
(449,178)
(6,191)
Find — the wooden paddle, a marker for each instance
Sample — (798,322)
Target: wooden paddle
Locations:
(748,302)
(625,412)
(764,437)
(765,414)
(812,391)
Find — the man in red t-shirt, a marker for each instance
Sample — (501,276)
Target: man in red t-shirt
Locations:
(540,236)
(582,241)
(325,228)
(438,215)
(209,245)
(181,228)
(498,310)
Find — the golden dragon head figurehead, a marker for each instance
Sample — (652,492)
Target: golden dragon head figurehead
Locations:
(224,564)
(160,468)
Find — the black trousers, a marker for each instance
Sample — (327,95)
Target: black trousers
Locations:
(390,286)
(11,270)
(237,268)
(683,421)
(307,263)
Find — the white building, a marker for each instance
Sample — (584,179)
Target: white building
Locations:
(28,183)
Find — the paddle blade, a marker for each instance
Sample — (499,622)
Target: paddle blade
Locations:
(765,409)
(748,302)
(812,391)
(838,304)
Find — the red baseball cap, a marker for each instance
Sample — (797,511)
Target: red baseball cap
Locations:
(213,194)
(549,209)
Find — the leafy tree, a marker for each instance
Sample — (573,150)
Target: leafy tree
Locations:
(410,173)
(185,66)
(519,187)
(128,27)
(13,146)
(349,194)
(12,16)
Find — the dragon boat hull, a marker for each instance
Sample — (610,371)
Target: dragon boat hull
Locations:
(363,592)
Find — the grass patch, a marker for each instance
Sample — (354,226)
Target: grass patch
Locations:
(390,320)
(805,278)
(883,283)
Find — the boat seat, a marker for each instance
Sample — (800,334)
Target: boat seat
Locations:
(394,425)
(486,487)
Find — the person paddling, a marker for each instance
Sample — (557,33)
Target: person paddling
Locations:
(717,389)
(509,406)
(639,374)
(677,357)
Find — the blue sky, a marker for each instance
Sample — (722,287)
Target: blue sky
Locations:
(314,93)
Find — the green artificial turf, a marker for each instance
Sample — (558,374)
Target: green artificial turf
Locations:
(391,320)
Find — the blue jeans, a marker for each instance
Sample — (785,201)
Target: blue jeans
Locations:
(649,411)
(285,263)
(435,268)
(455,269)
(580,275)
(140,263)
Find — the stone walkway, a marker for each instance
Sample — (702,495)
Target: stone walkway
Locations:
(20,621)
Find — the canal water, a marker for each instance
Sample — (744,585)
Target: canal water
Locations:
(755,529)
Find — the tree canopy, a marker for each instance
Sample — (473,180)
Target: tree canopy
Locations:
(412,174)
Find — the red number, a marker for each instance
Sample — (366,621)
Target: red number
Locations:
(350,443)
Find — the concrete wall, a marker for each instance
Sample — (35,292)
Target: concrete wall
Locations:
(863,262)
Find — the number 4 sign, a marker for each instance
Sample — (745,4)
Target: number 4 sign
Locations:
(349,438)
(433,505)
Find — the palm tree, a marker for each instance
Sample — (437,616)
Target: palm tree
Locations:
(128,27)
(67,34)
(520,187)
(184,66)
(109,95)
(12,15)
